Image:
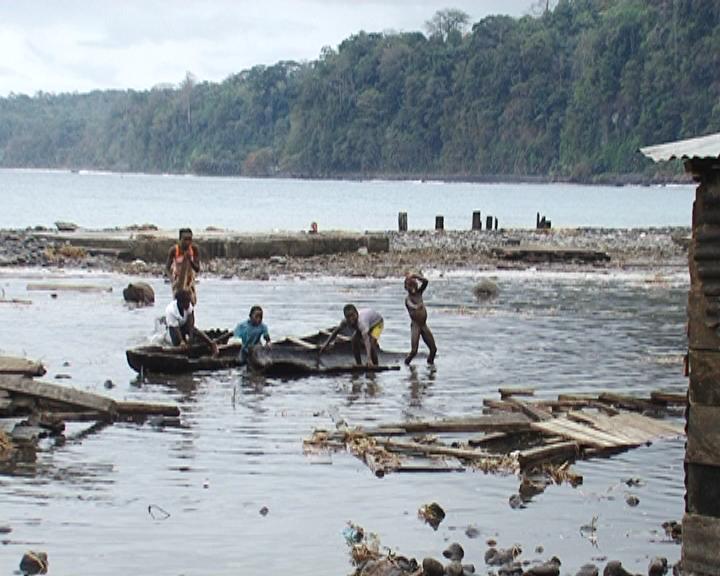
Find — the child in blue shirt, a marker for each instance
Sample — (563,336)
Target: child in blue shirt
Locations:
(251,332)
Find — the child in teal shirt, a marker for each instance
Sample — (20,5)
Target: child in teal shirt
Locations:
(251,332)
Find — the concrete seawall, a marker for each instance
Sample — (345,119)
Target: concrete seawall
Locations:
(153,246)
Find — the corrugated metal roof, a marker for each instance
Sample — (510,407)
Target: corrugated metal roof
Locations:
(703,147)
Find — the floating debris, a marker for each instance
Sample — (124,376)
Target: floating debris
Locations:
(432,514)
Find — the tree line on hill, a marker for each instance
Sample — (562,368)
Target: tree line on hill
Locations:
(568,94)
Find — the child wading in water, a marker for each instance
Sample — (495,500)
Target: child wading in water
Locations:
(251,332)
(415,286)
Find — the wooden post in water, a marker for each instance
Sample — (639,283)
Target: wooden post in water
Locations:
(439,222)
(477,220)
(537,221)
(402,221)
(489,223)
(496,223)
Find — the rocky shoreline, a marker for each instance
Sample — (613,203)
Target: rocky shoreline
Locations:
(446,251)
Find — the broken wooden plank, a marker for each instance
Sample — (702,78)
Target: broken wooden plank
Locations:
(13,365)
(660,397)
(510,422)
(66,395)
(73,416)
(508,392)
(627,402)
(584,435)
(437,450)
(565,451)
(532,411)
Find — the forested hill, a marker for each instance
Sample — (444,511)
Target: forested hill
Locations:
(571,93)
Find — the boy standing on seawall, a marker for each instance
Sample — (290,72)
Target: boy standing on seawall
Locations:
(183,263)
(368,325)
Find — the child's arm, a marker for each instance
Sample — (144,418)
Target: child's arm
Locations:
(332,337)
(194,258)
(423,282)
(266,334)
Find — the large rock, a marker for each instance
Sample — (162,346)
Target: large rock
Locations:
(139,293)
(34,563)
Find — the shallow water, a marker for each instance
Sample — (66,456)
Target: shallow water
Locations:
(85,502)
(102,200)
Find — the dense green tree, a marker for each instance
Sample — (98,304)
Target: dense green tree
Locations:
(570,92)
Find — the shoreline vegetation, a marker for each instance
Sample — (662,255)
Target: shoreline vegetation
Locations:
(567,95)
(658,178)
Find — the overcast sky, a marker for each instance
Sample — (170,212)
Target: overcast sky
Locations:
(77,46)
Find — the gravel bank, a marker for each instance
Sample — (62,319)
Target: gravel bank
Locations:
(415,250)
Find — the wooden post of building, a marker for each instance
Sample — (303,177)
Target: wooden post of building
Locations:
(701,523)
(477,221)
(439,222)
(489,223)
(402,221)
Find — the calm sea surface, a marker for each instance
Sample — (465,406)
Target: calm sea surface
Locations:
(99,200)
(85,501)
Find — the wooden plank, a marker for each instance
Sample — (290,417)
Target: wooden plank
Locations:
(615,440)
(703,435)
(611,425)
(437,450)
(499,405)
(508,392)
(430,465)
(658,428)
(510,422)
(57,393)
(564,451)
(584,435)
(12,365)
(532,411)
(701,542)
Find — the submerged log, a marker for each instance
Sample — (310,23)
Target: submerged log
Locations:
(145,409)
(52,287)
(438,450)
(507,392)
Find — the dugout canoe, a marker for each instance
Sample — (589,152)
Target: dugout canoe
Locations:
(298,357)
(176,360)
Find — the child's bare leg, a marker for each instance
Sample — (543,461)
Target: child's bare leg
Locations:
(356,345)
(429,340)
(414,342)
(374,351)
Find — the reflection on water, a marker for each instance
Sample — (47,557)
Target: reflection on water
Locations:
(239,447)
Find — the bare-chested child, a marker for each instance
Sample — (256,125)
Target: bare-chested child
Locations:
(415,286)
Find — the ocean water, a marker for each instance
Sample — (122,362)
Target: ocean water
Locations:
(105,200)
(94,501)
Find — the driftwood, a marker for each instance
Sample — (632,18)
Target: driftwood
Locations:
(52,287)
(13,365)
(519,435)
